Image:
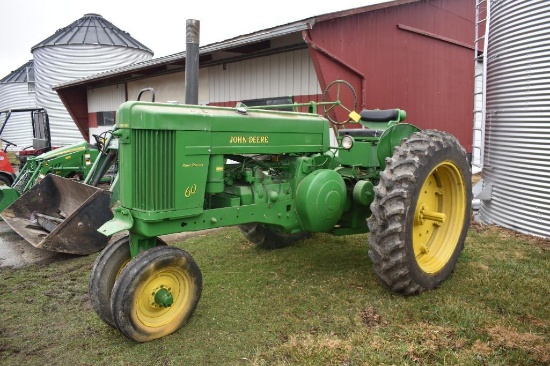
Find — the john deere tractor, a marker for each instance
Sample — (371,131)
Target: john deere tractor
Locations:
(276,176)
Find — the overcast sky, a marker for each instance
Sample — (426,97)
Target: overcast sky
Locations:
(159,25)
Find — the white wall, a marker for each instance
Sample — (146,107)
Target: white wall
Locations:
(283,74)
(106,99)
(170,87)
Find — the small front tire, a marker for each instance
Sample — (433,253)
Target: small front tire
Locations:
(156,293)
(106,269)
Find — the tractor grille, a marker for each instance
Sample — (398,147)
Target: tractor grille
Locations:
(153,169)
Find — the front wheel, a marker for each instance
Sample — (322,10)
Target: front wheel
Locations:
(107,267)
(421,213)
(156,293)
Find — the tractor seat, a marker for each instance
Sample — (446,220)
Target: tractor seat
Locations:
(360,132)
(379,115)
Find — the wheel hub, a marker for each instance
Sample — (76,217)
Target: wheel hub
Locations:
(424,214)
(163,297)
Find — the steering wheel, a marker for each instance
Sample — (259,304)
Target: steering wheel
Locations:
(100,139)
(8,144)
(338,90)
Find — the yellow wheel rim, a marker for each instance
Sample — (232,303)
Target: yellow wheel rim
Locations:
(122,267)
(439,217)
(149,314)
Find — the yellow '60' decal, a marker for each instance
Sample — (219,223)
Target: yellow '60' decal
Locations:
(190,190)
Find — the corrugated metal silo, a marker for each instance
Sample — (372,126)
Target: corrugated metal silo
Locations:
(516,168)
(17,92)
(88,46)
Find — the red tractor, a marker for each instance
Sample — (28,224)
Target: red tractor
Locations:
(7,174)
(41,142)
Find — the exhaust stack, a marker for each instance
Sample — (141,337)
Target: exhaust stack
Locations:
(192,62)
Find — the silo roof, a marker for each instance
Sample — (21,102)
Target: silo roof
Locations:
(92,29)
(20,75)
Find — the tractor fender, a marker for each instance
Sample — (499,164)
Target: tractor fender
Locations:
(7,177)
(121,221)
(5,166)
(391,138)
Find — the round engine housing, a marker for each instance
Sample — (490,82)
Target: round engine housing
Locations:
(320,200)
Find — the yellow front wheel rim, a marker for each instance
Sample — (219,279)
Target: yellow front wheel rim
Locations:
(439,217)
(151,314)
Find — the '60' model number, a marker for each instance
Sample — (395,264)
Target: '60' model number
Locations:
(191,190)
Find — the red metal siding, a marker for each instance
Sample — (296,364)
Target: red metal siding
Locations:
(75,100)
(92,119)
(416,56)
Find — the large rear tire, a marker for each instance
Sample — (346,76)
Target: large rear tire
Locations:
(106,269)
(421,213)
(5,181)
(156,293)
(266,237)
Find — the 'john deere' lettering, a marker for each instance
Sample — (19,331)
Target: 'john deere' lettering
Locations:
(237,140)
(249,140)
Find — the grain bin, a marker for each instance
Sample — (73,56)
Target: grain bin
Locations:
(89,45)
(516,172)
(17,92)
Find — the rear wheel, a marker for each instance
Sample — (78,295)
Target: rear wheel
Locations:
(106,269)
(268,238)
(421,213)
(5,181)
(156,293)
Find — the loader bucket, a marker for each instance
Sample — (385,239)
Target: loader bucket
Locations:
(61,215)
(8,196)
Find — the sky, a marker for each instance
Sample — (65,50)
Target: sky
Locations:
(159,25)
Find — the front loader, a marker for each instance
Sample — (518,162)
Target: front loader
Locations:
(41,158)
(276,176)
(51,209)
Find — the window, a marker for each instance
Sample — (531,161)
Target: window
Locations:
(269,102)
(105,118)
(30,80)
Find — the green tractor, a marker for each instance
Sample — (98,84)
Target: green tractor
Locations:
(276,176)
(71,161)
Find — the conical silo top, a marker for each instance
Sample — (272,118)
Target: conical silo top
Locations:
(21,75)
(92,29)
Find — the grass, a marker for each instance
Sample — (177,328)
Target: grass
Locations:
(315,303)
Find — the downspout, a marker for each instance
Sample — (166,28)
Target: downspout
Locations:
(314,46)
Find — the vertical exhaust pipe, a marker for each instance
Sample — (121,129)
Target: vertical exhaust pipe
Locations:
(192,62)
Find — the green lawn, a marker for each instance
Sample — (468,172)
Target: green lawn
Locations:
(315,303)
